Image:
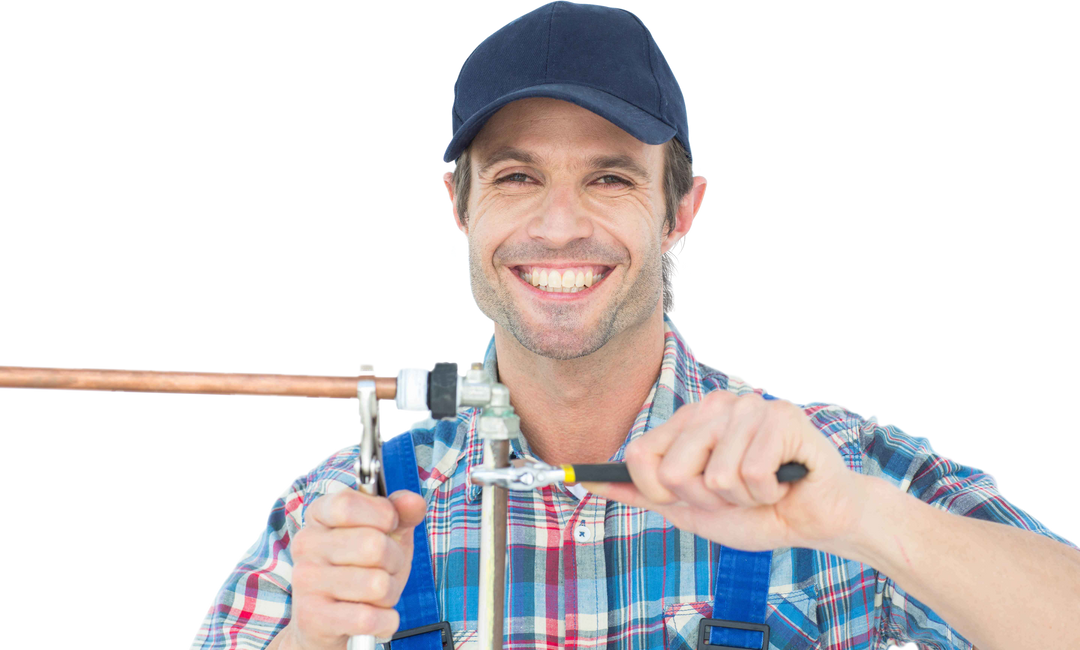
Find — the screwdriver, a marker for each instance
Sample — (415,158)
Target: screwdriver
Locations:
(534,475)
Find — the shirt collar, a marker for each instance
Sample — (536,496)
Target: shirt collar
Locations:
(678,382)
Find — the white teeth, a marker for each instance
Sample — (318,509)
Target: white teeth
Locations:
(569,281)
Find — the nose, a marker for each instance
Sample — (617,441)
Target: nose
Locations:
(562,218)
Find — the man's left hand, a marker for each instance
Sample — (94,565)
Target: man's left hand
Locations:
(711,470)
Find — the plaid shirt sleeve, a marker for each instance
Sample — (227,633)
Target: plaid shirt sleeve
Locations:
(254,603)
(912,465)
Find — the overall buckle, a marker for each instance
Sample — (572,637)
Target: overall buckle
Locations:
(444,626)
(706,625)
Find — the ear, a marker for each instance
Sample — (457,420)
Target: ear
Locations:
(448,180)
(688,212)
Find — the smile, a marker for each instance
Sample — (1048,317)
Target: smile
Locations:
(574,293)
(562,280)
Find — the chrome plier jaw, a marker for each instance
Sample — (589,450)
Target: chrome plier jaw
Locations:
(533,475)
(369,468)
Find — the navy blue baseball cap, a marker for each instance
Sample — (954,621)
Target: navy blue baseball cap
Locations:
(600,58)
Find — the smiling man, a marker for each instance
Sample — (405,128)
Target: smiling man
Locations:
(567,224)
(572,181)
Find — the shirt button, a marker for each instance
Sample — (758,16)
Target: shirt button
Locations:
(582,533)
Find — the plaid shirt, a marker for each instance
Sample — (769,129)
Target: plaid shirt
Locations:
(594,573)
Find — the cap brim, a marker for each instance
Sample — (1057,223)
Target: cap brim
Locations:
(638,123)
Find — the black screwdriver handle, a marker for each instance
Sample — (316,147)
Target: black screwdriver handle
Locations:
(602,473)
(618,473)
(791,472)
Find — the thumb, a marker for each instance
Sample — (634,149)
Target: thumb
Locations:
(411,508)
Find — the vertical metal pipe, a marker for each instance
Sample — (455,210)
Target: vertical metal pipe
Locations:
(493,523)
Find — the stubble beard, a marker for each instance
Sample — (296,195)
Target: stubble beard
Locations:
(564,332)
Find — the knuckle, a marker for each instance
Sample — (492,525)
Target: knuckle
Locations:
(670,476)
(316,618)
(308,543)
(379,513)
(755,472)
(301,610)
(390,621)
(718,481)
(338,507)
(306,614)
(387,513)
(635,453)
(719,399)
(377,547)
(366,619)
(301,544)
(349,508)
(301,575)
(305,576)
(786,407)
(379,585)
(748,403)
(374,620)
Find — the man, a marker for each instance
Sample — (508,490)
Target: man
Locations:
(572,182)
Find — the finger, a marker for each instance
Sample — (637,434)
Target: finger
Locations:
(630,495)
(722,470)
(763,457)
(644,454)
(658,439)
(643,465)
(362,547)
(334,619)
(621,492)
(359,584)
(411,509)
(353,508)
(682,467)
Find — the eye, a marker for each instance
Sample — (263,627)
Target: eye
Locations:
(616,179)
(509,176)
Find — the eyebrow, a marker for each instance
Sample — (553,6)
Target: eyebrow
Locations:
(622,161)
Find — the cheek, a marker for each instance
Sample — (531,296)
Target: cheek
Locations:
(504,206)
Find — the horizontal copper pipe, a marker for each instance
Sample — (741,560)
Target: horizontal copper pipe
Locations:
(191,382)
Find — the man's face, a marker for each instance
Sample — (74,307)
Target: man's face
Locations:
(561,197)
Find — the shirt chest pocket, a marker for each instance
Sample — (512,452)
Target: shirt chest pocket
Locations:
(792,619)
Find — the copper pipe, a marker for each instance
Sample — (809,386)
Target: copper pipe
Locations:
(191,382)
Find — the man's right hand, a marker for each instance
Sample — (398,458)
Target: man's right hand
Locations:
(350,564)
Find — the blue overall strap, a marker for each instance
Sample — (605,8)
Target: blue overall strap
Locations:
(417,607)
(742,588)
